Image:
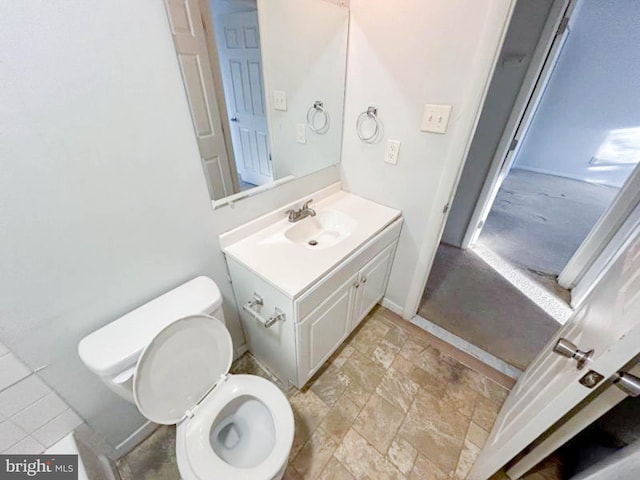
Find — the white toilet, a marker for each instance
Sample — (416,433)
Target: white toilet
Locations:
(171,357)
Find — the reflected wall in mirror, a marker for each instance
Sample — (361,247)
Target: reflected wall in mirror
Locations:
(265,84)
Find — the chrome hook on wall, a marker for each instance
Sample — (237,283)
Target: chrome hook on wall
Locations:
(370,114)
(315,112)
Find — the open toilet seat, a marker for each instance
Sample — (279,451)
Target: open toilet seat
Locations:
(196,431)
(182,378)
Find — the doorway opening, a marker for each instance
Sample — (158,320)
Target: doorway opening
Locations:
(573,155)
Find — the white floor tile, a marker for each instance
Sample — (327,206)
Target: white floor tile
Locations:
(57,428)
(22,394)
(26,446)
(40,412)
(10,434)
(11,370)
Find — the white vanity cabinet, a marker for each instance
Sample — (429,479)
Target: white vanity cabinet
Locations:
(320,318)
(322,331)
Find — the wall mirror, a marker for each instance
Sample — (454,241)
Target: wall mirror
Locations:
(265,83)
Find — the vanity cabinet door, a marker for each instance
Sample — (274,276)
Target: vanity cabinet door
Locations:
(324,329)
(372,283)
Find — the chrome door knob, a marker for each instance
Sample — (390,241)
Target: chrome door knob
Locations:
(568,349)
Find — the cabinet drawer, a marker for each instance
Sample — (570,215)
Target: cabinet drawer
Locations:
(318,293)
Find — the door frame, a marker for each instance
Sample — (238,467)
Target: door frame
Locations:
(214,60)
(543,61)
(607,236)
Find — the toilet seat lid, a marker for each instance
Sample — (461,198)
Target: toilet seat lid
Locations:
(180,366)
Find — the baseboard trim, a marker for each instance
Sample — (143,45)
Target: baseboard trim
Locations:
(553,173)
(394,307)
(134,439)
(467,347)
(241,350)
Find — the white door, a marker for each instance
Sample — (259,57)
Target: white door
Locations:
(238,40)
(607,322)
(189,39)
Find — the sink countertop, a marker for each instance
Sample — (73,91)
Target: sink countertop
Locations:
(291,267)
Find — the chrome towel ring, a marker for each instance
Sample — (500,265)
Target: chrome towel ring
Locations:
(317,111)
(370,114)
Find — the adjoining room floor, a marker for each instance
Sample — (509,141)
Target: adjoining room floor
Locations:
(468,298)
(538,221)
(393,402)
(245,185)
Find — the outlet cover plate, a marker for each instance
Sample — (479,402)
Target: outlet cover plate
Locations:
(392,151)
(301,133)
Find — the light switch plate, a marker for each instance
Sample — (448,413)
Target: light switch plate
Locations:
(392,151)
(435,118)
(301,133)
(280,100)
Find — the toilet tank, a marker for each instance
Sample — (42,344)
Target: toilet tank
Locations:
(112,351)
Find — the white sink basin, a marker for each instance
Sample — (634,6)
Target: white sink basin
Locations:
(280,252)
(326,229)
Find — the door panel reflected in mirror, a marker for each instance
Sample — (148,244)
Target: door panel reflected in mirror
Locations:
(265,84)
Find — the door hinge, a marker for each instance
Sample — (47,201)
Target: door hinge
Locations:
(564,24)
(480,224)
(514,144)
(446,208)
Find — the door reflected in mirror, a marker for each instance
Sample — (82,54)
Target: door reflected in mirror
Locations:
(265,84)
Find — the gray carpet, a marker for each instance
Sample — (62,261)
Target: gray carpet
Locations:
(538,221)
(471,300)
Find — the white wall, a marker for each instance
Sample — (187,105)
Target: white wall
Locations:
(593,90)
(104,204)
(304,52)
(404,54)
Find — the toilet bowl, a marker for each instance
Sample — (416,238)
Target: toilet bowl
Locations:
(228,426)
(238,433)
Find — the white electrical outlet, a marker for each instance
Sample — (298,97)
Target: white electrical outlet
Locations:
(301,133)
(435,118)
(280,100)
(392,151)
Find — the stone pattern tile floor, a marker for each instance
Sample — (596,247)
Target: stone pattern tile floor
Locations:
(394,402)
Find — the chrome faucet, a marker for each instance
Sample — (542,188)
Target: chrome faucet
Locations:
(304,212)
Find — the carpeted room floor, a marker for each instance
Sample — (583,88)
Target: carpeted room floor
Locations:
(537,223)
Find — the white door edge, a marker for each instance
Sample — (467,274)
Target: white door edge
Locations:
(615,218)
(624,236)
